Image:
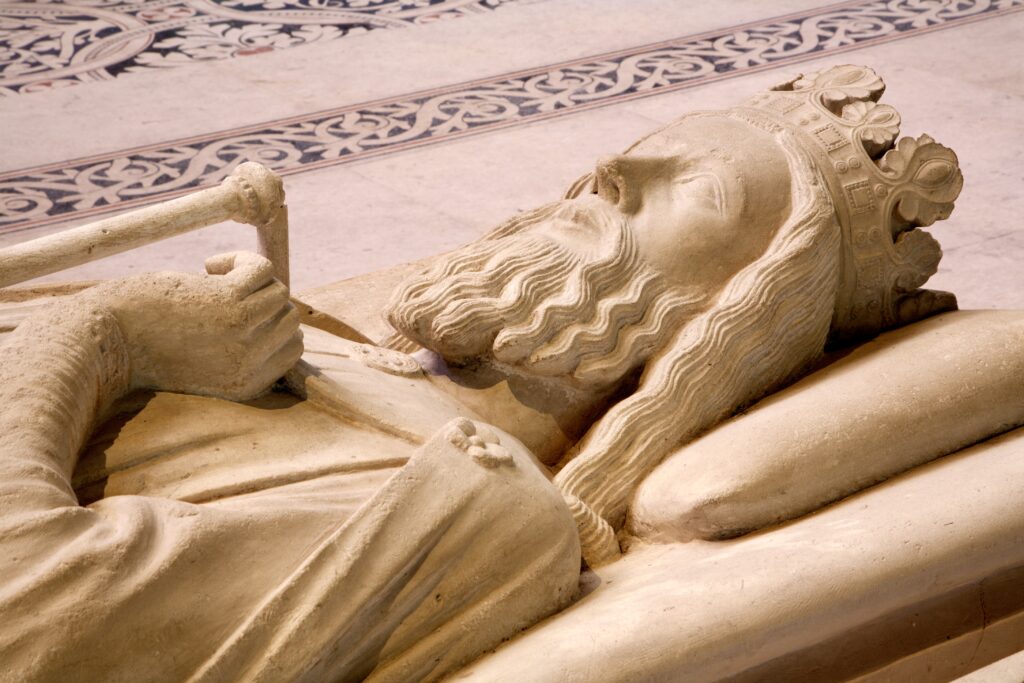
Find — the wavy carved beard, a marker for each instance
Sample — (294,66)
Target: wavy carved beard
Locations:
(508,296)
(593,313)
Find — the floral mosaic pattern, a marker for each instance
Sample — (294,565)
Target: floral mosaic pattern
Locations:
(56,43)
(75,189)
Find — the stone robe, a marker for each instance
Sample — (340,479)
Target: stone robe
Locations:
(283,539)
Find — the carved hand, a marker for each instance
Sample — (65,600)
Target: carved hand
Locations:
(230,333)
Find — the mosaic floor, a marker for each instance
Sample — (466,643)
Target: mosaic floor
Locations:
(46,45)
(396,144)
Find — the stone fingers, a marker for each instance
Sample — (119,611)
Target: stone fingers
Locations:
(479,442)
(275,363)
(262,307)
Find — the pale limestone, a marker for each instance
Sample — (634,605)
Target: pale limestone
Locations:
(872,579)
(395,516)
(848,424)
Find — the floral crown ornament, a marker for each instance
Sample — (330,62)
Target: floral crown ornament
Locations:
(883,191)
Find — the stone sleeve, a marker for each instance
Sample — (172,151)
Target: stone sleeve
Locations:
(463,547)
(59,371)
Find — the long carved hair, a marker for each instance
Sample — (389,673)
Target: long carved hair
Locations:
(767,324)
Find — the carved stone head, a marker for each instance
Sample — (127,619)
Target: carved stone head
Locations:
(718,211)
(882,190)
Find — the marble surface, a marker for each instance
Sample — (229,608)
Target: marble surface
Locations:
(956,76)
(53,45)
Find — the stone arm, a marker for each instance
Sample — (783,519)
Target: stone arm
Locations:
(85,589)
(229,334)
(58,372)
(276,584)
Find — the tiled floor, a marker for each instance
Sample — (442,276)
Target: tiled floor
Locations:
(59,44)
(398,144)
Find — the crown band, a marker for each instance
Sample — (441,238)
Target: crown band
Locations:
(882,192)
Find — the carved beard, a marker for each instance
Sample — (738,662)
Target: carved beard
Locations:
(764,328)
(593,312)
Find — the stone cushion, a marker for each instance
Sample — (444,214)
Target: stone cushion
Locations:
(903,399)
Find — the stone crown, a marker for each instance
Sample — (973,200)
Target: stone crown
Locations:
(883,190)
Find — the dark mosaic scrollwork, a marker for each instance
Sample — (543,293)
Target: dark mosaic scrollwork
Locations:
(55,44)
(35,197)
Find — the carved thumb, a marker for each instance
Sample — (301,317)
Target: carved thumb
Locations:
(245,271)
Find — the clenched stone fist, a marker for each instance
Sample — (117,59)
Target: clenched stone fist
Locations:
(230,333)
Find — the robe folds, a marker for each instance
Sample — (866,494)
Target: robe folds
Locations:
(281,540)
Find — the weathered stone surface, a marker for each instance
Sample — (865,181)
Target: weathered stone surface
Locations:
(392,510)
(898,401)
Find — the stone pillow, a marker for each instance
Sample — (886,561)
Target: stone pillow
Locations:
(907,397)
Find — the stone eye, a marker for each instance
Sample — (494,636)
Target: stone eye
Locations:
(704,188)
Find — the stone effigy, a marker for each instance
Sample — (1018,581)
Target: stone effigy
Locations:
(396,508)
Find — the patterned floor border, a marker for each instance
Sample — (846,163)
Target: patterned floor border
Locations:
(32,198)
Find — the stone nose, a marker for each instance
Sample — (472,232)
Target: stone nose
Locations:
(621,179)
(610,181)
